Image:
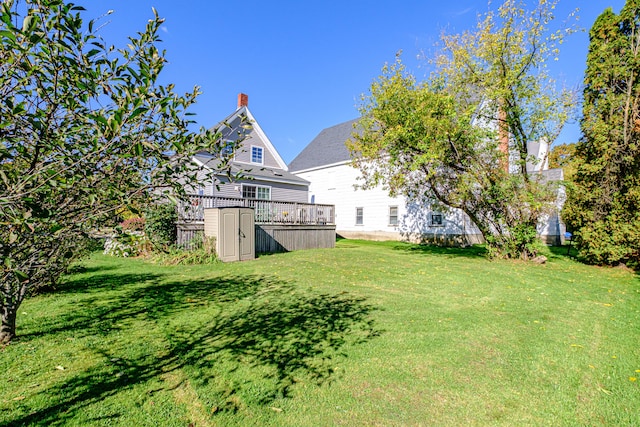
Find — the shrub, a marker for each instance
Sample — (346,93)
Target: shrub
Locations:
(160,225)
(204,254)
(126,244)
(610,242)
(133,224)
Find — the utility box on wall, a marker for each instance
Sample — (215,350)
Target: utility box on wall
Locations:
(234,231)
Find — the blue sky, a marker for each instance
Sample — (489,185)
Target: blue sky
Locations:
(304,64)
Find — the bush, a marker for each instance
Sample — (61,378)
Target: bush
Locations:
(204,254)
(610,242)
(160,225)
(133,224)
(522,242)
(126,244)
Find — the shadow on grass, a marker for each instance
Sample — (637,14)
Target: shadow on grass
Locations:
(83,269)
(470,252)
(564,252)
(269,330)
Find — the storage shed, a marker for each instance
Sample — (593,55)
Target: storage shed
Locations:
(234,231)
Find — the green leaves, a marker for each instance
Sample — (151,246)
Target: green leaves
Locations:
(604,200)
(85,129)
(439,140)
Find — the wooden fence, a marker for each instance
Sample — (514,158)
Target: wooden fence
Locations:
(266,211)
(190,235)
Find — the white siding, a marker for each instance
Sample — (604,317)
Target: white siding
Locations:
(334,185)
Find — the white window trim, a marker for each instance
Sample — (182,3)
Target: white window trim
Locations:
(256,186)
(432,224)
(397,216)
(261,155)
(361,215)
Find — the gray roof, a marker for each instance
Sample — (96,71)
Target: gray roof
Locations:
(256,172)
(261,173)
(327,148)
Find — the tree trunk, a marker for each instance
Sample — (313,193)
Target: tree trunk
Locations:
(8,326)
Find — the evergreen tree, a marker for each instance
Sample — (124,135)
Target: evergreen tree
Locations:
(604,201)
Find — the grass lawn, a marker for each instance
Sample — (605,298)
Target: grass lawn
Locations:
(366,334)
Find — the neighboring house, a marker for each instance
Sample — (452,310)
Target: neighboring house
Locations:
(373,214)
(265,175)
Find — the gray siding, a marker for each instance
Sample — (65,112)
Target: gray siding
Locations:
(289,193)
(243,155)
(280,192)
(285,238)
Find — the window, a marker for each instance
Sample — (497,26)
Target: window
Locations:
(248,192)
(436,220)
(359,216)
(264,193)
(255,192)
(227,149)
(256,155)
(393,215)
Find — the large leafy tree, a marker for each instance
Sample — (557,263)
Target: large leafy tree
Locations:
(85,129)
(603,206)
(463,137)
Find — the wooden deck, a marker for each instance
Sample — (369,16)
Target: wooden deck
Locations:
(266,211)
(279,226)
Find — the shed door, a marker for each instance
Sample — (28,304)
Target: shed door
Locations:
(230,247)
(247,235)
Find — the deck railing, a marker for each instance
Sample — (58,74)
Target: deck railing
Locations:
(266,211)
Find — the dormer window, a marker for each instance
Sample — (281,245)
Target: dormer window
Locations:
(256,155)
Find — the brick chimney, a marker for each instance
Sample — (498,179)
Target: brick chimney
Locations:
(243,100)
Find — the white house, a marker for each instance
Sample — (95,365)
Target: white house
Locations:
(372,214)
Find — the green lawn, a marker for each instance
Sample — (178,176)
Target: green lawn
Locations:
(366,334)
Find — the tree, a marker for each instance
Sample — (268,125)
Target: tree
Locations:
(561,155)
(85,130)
(603,206)
(462,137)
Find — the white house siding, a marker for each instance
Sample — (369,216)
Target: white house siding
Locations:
(328,187)
(551,228)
